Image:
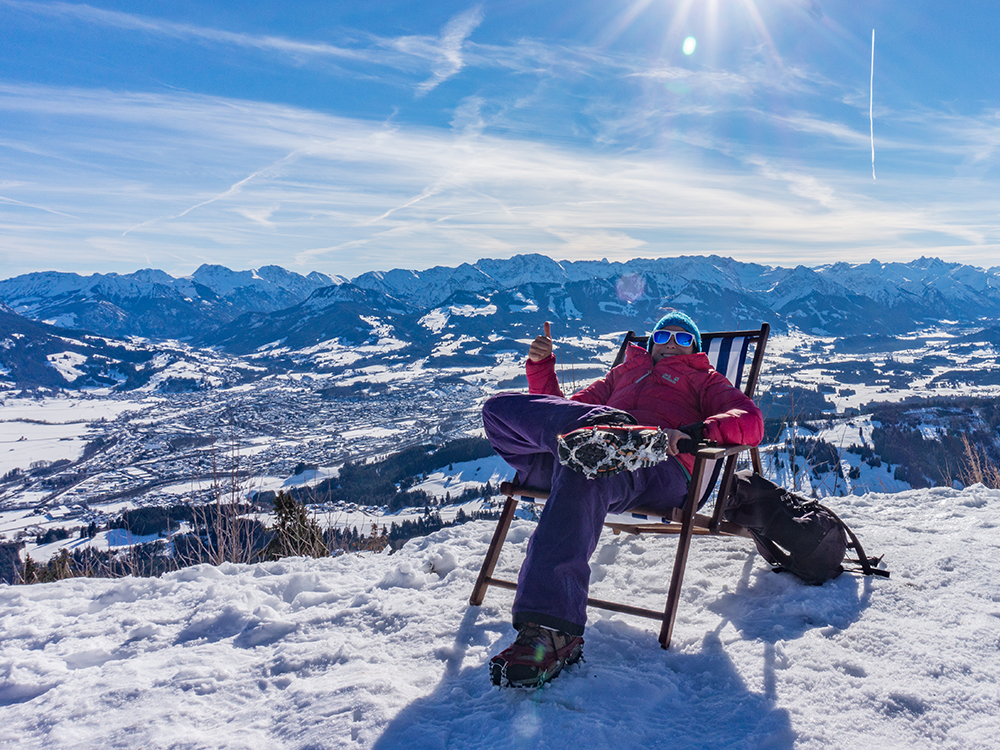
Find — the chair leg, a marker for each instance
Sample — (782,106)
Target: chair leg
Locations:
(493,553)
(725,487)
(680,561)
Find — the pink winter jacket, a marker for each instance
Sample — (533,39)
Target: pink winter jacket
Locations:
(676,391)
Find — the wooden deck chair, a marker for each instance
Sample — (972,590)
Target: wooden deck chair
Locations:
(728,352)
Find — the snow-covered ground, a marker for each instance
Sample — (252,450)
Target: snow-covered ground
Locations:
(802,359)
(50,429)
(467,475)
(383,651)
(855,477)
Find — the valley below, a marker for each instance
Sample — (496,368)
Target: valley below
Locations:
(72,460)
(145,391)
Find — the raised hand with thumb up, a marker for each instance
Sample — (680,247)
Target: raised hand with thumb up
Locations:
(541,347)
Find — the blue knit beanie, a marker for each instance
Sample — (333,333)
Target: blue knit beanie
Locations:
(676,318)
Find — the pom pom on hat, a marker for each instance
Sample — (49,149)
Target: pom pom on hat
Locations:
(677,318)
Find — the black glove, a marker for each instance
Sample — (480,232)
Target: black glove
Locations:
(697,432)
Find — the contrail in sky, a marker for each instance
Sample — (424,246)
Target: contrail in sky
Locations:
(32,205)
(871,98)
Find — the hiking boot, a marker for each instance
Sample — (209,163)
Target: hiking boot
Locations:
(603,451)
(536,656)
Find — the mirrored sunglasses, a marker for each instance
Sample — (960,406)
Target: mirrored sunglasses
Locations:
(683,338)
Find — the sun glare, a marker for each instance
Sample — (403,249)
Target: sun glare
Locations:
(707,15)
(712,24)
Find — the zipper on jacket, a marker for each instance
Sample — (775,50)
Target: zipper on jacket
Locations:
(635,400)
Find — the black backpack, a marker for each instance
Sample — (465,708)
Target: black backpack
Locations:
(794,533)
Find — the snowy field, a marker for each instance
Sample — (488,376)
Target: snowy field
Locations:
(789,355)
(50,429)
(383,651)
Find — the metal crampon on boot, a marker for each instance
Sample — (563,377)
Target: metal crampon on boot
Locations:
(538,655)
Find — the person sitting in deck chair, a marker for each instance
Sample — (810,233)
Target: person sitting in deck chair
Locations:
(612,446)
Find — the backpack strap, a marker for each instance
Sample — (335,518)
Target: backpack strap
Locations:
(867,563)
(779,559)
(771,552)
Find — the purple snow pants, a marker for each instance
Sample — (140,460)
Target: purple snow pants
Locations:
(555,575)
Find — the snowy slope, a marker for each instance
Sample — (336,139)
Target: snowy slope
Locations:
(380,651)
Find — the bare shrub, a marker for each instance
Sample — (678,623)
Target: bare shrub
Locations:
(977,467)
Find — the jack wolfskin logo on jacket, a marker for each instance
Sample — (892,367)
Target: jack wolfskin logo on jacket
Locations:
(669,379)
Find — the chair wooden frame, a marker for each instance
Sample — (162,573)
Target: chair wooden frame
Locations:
(685,522)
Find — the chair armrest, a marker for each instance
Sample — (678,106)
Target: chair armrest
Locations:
(511,490)
(716,452)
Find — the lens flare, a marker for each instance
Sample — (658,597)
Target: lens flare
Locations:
(630,287)
(689,44)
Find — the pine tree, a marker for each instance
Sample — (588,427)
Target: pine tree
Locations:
(30,572)
(295,533)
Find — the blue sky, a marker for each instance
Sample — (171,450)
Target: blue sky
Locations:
(354,136)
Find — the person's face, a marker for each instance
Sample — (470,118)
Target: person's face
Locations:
(670,349)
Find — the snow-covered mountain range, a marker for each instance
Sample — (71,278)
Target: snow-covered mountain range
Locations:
(35,354)
(154,304)
(885,298)
(472,315)
(926,283)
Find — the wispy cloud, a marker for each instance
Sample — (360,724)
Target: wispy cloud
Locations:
(445,52)
(427,192)
(131,22)
(834,131)
(982,132)
(801,183)
(261,215)
(442,55)
(720,81)
(356,195)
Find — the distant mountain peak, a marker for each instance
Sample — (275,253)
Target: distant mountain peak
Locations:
(886,297)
